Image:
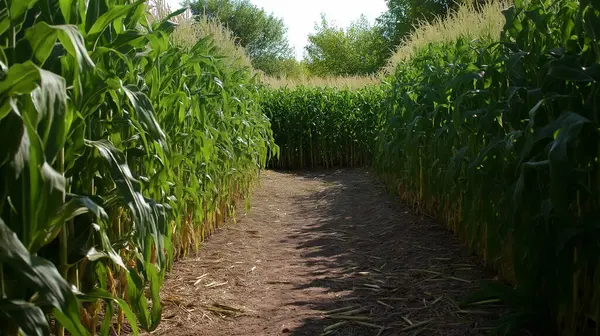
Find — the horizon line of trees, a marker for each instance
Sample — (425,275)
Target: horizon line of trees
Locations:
(362,48)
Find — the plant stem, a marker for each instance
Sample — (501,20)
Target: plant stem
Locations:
(63,266)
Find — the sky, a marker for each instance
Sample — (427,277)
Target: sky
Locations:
(300,16)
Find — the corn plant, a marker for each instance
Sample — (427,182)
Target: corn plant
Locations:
(121,151)
(496,138)
(323,126)
(500,141)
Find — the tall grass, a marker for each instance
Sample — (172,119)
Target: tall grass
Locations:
(341,82)
(121,150)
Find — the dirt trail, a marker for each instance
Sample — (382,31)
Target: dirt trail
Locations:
(317,242)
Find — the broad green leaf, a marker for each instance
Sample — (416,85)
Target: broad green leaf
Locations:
(145,221)
(20,79)
(50,99)
(73,41)
(42,38)
(145,111)
(26,315)
(111,15)
(76,206)
(40,275)
(99,293)
(19,7)
(569,69)
(66,7)
(137,300)
(15,140)
(4,21)
(155,285)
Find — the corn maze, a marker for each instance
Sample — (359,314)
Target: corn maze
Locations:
(121,151)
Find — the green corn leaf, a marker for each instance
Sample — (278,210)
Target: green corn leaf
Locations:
(99,293)
(76,206)
(137,300)
(41,275)
(20,79)
(27,316)
(90,12)
(4,24)
(68,321)
(569,69)
(146,223)
(43,36)
(114,13)
(165,25)
(106,324)
(19,7)
(50,101)
(155,285)
(569,124)
(15,140)
(107,247)
(42,39)
(66,8)
(145,112)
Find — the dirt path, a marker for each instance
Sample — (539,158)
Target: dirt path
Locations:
(318,242)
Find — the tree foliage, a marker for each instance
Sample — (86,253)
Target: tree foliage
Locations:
(403,15)
(286,68)
(357,50)
(262,34)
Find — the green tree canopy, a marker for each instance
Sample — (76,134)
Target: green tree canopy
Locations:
(403,15)
(357,50)
(262,34)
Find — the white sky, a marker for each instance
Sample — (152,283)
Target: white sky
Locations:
(300,16)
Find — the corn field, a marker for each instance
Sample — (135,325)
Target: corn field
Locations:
(323,126)
(120,152)
(497,138)
(500,141)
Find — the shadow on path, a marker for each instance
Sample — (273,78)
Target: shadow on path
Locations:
(392,273)
(327,252)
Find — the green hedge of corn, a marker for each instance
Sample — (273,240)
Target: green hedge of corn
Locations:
(498,139)
(323,126)
(120,152)
(501,142)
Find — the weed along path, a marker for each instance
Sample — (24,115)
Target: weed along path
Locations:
(324,253)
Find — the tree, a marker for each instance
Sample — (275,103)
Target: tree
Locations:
(288,68)
(403,15)
(262,35)
(357,50)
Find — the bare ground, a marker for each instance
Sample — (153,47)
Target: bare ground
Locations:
(324,253)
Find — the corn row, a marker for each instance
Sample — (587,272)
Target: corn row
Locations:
(120,152)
